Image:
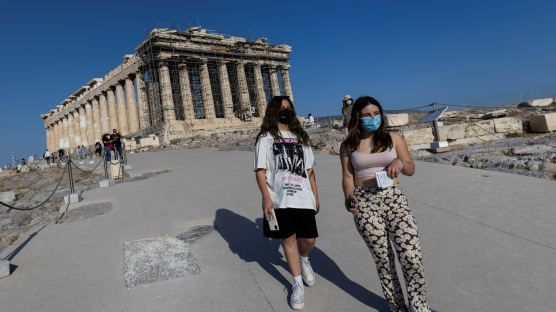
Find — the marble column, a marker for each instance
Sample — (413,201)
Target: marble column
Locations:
(65,131)
(112,112)
(83,126)
(122,110)
(132,114)
(143,102)
(167,97)
(243,91)
(48,135)
(259,89)
(104,117)
(90,131)
(274,87)
(71,132)
(206,91)
(96,121)
(77,128)
(226,90)
(59,135)
(286,84)
(186,95)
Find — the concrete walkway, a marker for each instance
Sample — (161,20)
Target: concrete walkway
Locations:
(488,240)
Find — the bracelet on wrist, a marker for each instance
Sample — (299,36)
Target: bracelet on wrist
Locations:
(403,162)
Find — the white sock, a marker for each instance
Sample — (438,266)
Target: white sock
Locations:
(298,280)
(304,258)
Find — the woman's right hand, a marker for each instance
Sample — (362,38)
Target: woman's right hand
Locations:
(267,207)
(349,199)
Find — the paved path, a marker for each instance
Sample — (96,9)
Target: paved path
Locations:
(488,240)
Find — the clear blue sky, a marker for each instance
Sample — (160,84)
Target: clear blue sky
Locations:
(404,53)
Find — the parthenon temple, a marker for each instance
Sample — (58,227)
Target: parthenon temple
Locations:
(178,84)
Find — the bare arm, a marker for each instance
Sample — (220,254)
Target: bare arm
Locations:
(347,178)
(260,176)
(313,181)
(404,163)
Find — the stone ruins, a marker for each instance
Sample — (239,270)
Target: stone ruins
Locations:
(178,84)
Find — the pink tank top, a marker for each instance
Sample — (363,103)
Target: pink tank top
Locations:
(367,164)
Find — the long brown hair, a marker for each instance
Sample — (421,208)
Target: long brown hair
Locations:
(381,139)
(270,121)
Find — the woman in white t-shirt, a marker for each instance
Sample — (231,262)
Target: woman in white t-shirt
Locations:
(284,170)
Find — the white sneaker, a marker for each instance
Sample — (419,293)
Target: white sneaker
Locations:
(307,272)
(296,300)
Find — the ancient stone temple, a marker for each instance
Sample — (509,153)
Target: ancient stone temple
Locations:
(178,84)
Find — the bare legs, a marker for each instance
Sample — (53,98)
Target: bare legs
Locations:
(292,252)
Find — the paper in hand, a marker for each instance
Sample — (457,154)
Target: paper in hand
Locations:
(383,180)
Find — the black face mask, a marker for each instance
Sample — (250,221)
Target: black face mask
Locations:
(285,116)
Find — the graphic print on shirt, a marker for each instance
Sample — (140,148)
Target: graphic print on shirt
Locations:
(288,156)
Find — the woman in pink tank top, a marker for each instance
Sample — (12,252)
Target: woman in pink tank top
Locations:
(381,213)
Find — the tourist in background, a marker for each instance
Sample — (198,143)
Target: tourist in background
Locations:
(311,119)
(117,141)
(83,152)
(382,213)
(108,146)
(284,172)
(47,156)
(347,104)
(98,149)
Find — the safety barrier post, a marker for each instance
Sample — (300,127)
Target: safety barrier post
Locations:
(106,182)
(73,197)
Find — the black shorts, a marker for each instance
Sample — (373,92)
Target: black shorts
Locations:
(293,220)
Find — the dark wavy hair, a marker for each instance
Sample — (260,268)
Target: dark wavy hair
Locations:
(381,139)
(270,121)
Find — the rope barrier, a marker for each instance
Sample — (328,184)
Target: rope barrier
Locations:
(48,198)
(84,170)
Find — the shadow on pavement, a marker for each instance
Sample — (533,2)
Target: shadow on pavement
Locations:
(245,238)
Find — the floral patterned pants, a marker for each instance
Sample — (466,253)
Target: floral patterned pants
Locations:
(382,216)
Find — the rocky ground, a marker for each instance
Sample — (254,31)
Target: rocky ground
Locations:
(27,189)
(532,155)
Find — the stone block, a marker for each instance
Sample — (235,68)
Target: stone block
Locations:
(395,120)
(107,183)
(151,140)
(452,132)
(4,268)
(7,197)
(508,124)
(496,114)
(24,168)
(418,136)
(73,198)
(543,123)
(480,128)
(537,103)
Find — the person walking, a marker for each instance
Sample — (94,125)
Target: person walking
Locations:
(381,213)
(283,165)
(347,104)
(117,141)
(47,156)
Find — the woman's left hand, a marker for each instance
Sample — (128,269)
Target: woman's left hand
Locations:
(317,206)
(394,168)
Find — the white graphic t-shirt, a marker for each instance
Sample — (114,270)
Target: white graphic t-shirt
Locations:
(286,162)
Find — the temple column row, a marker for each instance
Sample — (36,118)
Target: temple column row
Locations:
(208,110)
(129,111)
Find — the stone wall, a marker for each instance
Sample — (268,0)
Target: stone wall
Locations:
(454,132)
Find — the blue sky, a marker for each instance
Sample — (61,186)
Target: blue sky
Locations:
(404,53)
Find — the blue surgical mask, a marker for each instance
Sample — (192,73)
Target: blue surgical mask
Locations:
(371,124)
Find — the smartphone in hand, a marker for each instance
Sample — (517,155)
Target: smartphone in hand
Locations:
(272,221)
